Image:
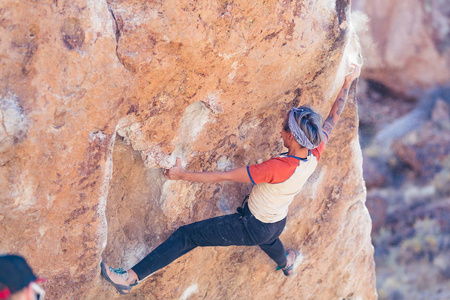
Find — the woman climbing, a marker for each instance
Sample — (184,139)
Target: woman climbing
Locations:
(263,218)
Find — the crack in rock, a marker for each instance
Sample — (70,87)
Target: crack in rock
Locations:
(118,34)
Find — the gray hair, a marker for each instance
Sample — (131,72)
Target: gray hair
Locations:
(305,125)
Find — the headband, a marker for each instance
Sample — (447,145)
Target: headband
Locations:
(298,134)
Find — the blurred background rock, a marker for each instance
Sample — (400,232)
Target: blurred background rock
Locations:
(404,108)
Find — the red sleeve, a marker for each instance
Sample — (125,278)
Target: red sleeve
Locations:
(274,170)
(318,150)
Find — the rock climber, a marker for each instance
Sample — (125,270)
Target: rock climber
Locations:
(17,280)
(263,217)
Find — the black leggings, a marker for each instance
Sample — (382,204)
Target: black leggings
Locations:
(234,229)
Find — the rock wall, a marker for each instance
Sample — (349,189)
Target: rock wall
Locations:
(97,96)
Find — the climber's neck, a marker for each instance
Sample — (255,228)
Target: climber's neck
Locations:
(296,150)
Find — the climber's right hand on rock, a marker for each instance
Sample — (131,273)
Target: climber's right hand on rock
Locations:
(356,71)
(176,172)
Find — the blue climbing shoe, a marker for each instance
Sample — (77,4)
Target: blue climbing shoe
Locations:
(291,256)
(117,277)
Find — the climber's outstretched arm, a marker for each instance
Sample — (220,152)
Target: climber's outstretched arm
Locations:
(235,175)
(340,101)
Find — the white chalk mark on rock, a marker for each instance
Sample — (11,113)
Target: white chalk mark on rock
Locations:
(193,289)
(232,74)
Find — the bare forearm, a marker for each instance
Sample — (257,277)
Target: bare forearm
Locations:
(235,175)
(211,177)
(341,99)
(336,110)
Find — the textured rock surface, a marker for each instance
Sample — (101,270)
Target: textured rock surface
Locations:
(97,96)
(406,43)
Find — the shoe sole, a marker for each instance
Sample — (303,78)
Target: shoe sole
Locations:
(290,270)
(118,287)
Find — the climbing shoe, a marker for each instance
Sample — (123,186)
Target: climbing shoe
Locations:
(291,256)
(117,277)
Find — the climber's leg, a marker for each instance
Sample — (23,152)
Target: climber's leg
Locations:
(234,229)
(275,251)
(221,231)
(274,247)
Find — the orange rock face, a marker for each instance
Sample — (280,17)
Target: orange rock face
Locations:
(96,97)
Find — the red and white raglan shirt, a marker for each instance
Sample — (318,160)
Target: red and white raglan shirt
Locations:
(277,181)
